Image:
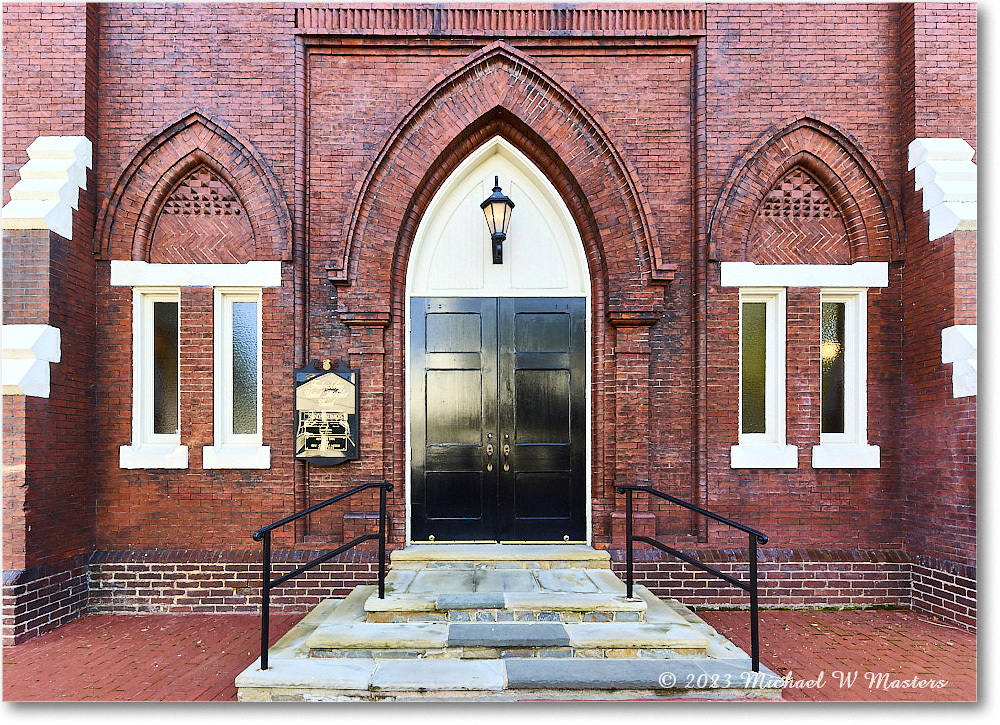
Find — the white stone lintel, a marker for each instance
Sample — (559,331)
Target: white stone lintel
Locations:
(859,274)
(145,274)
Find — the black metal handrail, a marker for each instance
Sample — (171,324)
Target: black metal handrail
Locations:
(749,587)
(265,535)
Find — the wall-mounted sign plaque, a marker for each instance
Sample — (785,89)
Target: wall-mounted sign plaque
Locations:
(326,414)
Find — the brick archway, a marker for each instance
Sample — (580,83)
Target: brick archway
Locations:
(127,219)
(499,90)
(870,215)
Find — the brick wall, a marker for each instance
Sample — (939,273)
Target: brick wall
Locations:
(49,477)
(939,431)
(350,132)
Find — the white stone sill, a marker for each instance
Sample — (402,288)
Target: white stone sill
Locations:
(763,456)
(846,455)
(153,456)
(214,457)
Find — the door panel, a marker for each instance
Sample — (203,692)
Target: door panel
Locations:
(542,403)
(454,389)
(508,373)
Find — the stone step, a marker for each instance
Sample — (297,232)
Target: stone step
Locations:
(569,594)
(499,556)
(480,640)
(505,679)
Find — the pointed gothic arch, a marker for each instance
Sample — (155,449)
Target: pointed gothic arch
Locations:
(870,217)
(500,91)
(128,216)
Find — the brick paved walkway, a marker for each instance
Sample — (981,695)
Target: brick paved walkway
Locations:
(196,657)
(882,650)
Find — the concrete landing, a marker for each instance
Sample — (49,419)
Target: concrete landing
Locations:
(505,627)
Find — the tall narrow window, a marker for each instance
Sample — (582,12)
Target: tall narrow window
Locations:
(762,382)
(165,358)
(832,364)
(753,387)
(155,381)
(843,373)
(237,382)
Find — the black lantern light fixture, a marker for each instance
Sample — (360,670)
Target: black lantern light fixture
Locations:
(497,209)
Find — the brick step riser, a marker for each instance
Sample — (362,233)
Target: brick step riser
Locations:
(505,615)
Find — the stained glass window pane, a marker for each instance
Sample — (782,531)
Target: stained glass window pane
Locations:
(832,362)
(244,367)
(165,351)
(752,388)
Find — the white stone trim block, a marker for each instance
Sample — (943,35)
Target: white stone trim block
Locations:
(859,274)
(144,274)
(942,149)
(153,456)
(236,457)
(943,169)
(959,347)
(50,185)
(27,352)
(846,455)
(763,456)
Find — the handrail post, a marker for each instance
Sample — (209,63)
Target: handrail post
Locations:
(381,543)
(265,604)
(628,542)
(754,641)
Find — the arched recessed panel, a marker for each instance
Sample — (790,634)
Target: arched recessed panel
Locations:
(543,254)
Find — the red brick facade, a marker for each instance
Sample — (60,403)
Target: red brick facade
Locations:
(679,138)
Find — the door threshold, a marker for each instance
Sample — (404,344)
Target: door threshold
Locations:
(454,551)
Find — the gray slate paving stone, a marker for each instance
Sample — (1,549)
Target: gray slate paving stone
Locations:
(470,600)
(507,635)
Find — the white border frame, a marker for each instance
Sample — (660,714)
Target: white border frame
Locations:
(148,449)
(768,449)
(850,449)
(233,450)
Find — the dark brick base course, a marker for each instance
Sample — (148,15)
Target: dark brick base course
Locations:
(42,598)
(177,582)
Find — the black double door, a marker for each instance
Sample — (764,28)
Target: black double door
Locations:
(498,419)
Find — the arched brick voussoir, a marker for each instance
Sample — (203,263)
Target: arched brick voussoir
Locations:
(499,81)
(871,215)
(127,219)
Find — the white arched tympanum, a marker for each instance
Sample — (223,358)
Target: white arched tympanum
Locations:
(451,254)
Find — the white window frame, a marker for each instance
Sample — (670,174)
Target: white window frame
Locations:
(149,449)
(850,449)
(768,449)
(234,450)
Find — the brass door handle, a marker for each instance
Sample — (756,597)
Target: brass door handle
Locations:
(506,457)
(489,457)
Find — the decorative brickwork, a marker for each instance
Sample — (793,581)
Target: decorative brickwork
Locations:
(832,161)
(164,162)
(798,224)
(202,221)
(797,196)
